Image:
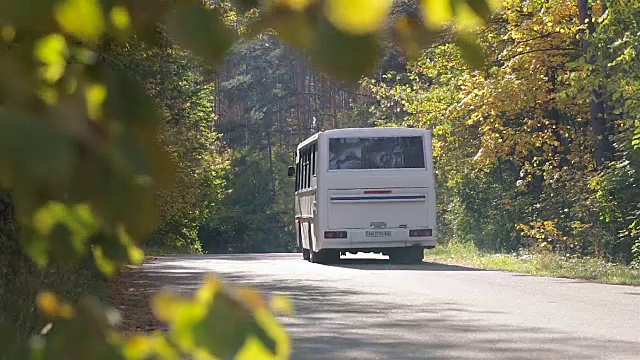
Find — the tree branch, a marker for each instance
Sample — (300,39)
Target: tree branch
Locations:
(536,50)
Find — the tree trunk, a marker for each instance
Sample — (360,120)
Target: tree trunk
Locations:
(271,170)
(603,149)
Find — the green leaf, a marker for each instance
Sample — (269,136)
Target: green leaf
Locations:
(297,28)
(226,325)
(33,155)
(112,252)
(103,262)
(412,36)
(225,328)
(36,14)
(134,253)
(200,30)
(110,255)
(64,230)
(345,56)
(90,321)
(480,7)
(145,16)
(471,50)
(127,101)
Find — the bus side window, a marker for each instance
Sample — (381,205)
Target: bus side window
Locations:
(309,166)
(305,168)
(314,164)
(298,172)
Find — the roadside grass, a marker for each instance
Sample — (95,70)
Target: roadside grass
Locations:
(158,251)
(536,264)
(166,250)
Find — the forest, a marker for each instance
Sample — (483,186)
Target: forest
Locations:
(538,149)
(534,106)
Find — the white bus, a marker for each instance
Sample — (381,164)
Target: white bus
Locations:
(365,190)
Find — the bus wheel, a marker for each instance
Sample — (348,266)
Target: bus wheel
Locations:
(305,254)
(315,257)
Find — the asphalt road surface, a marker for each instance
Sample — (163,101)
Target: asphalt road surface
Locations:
(367,308)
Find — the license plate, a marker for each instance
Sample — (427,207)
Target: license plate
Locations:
(378,233)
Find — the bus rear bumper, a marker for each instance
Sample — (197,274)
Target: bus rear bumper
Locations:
(377,245)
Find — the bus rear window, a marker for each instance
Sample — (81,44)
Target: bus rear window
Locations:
(376,153)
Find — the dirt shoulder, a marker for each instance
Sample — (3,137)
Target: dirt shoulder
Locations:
(131,292)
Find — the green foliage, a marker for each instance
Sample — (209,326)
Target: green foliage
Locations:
(21,278)
(252,218)
(347,46)
(216,322)
(513,142)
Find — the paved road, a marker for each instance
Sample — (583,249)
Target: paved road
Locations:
(369,309)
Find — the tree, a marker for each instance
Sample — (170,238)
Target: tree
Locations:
(601,133)
(514,140)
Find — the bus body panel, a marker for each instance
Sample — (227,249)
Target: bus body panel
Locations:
(376,207)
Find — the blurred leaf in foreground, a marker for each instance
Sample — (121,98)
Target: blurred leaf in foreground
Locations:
(200,30)
(223,323)
(358,17)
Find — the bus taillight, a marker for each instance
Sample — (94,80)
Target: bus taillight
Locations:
(420,233)
(335,234)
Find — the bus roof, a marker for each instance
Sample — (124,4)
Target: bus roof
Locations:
(347,132)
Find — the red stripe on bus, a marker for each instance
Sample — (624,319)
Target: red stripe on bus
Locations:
(377,191)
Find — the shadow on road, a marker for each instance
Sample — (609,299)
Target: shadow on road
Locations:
(384,264)
(335,321)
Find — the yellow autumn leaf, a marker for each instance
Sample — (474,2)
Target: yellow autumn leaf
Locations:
(251,298)
(209,289)
(282,305)
(48,94)
(276,331)
(81,18)
(52,307)
(141,346)
(52,52)
(7,33)
(137,346)
(357,17)
(466,18)
(254,349)
(166,306)
(95,94)
(120,18)
(436,13)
